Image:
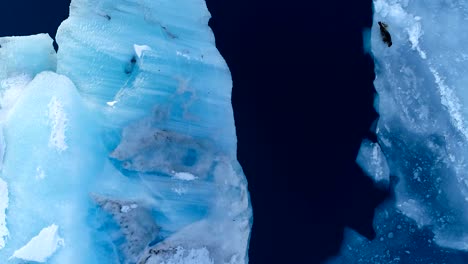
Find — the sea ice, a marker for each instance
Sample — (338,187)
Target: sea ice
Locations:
(42,246)
(422,136)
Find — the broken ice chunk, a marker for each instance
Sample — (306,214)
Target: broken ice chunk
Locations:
(112,103)
(139,49)
(185,176)
(42,246)
(372,161)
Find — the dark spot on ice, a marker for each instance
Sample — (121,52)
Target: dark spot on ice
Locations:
(190,158)
(106,16)
(153,242)
(130,66)
(387,39)
(170,34)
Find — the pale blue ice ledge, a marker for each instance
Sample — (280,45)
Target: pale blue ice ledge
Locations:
(120,148)
(422,148)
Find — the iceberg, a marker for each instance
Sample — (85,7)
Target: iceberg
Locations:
(121,146)
(422,137)
(41,246)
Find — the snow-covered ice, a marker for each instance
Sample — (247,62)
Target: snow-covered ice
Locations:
(422,136)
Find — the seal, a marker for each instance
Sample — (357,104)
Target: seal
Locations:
(387,39)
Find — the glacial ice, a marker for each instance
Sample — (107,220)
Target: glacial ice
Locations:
(422,136)
(371,159)
(41,247)
(121,147)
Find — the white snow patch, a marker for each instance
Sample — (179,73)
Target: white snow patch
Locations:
(3,206)
(112,103)
(40,247)
(185,176)
(58,121)
(421,53)
(139,49)
(127,208)
(450,100)
(414,32)
(180,191)
(183,54)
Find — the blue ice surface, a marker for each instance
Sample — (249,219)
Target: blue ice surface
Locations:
(421,152)
(121,147)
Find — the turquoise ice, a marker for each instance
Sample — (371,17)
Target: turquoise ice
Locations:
(120,147)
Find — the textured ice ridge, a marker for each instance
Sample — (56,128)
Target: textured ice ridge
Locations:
(121,147)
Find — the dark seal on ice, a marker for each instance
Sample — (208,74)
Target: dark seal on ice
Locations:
(385,34)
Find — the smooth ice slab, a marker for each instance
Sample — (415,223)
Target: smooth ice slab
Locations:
(51,156)
(22,59)
(28,55)
(41,247)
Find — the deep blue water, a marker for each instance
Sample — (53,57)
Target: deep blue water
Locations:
(302,101)
(302,98)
